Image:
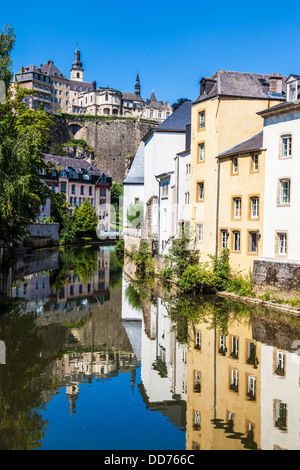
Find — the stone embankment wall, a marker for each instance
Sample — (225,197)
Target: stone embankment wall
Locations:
(114,141)
(42,235)
(276,273)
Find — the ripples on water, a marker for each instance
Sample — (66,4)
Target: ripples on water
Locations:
(90,360)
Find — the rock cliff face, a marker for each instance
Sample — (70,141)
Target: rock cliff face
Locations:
(115,141)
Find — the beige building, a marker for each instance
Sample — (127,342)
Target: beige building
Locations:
(56,92)
(223,388)
(223,116)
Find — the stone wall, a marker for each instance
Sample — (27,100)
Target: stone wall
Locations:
(114,140)
(42,235)
(277,273)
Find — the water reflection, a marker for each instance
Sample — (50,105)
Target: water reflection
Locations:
(89,349)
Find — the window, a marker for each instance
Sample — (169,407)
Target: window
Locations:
(234,380)
(280,363)
(201,151)
(286,146)
(198,340)
(254,162)
(200,232)
(187,198)
(234,347)
(254,202)
(251,387)
(251,359)
(224,239)
(200,191)
(281,416)
(164,189)
(222,348)
(197,420)
(188,169)
(197,381)
(237,206)
(81,189)
(282,243)
(253,242)
(202,120)
(235,167)
(90,190)
(285,190)
(63,187)
(52,187)
(236,241)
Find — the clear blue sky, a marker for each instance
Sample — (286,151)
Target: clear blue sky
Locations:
(172,44)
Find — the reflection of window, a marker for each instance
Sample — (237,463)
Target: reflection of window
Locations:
(280,363)
(281,416)
(234,382)
(197,382)
(222,348)
(198,340)
(251,353)
(251,387)
(234,347)
(197,420)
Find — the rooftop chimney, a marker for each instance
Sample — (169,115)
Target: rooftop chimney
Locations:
(275,84)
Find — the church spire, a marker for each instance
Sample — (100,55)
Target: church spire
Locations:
(137,88)
(77,70)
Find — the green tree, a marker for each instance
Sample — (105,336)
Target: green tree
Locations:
(7,41)
(116,194)
(23,136)
(178,103)
(86,220)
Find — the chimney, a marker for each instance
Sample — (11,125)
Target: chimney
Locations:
(94,84)
(275,84)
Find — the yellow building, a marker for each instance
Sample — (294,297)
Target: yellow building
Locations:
(223,388)
(223,116)
(241,176)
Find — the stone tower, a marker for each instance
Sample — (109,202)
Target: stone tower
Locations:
(77,72)
(137,88)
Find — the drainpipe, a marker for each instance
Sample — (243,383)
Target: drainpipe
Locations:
(158,213)
(217,208)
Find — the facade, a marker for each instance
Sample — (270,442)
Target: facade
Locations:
(56,92)
(223,116)
(79,180)
(163,144)
(241,175)
(282,143)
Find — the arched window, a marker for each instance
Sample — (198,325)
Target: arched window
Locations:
(106,97)
(78,75)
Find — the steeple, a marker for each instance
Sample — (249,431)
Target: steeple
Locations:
(77,70)
(137,88)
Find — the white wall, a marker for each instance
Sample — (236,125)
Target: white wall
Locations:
(281,218)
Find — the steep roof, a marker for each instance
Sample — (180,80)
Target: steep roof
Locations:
(254,143)
(131,97)
(51,70)
(136,172)
(241,84)
(179,119)
(76,163)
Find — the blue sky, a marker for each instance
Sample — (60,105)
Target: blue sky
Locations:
(171,44)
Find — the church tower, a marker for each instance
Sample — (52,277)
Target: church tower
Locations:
(137,88)
(77,72)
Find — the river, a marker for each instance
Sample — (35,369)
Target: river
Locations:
(91,360)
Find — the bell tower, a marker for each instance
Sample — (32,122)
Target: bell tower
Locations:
(137,87)
(77,72)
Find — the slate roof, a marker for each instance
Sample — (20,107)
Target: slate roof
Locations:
(74,83)
(242,84)
(282,107)
(131,97)
(76,163)
(50,69)
(178,120)
(254,143)
(136,172)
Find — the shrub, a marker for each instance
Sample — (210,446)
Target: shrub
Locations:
(198,278)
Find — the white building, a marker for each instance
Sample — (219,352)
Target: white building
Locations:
(166,155)
(281,139)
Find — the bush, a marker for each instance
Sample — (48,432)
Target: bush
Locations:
(198,278)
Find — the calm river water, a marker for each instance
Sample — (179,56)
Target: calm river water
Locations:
(91,360)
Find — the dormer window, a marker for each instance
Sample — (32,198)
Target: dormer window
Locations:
(293,89)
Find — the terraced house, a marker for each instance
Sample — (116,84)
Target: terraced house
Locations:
(227,183)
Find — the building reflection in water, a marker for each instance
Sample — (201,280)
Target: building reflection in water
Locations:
(243,386)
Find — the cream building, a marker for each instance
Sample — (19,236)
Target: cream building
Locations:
(223,116)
